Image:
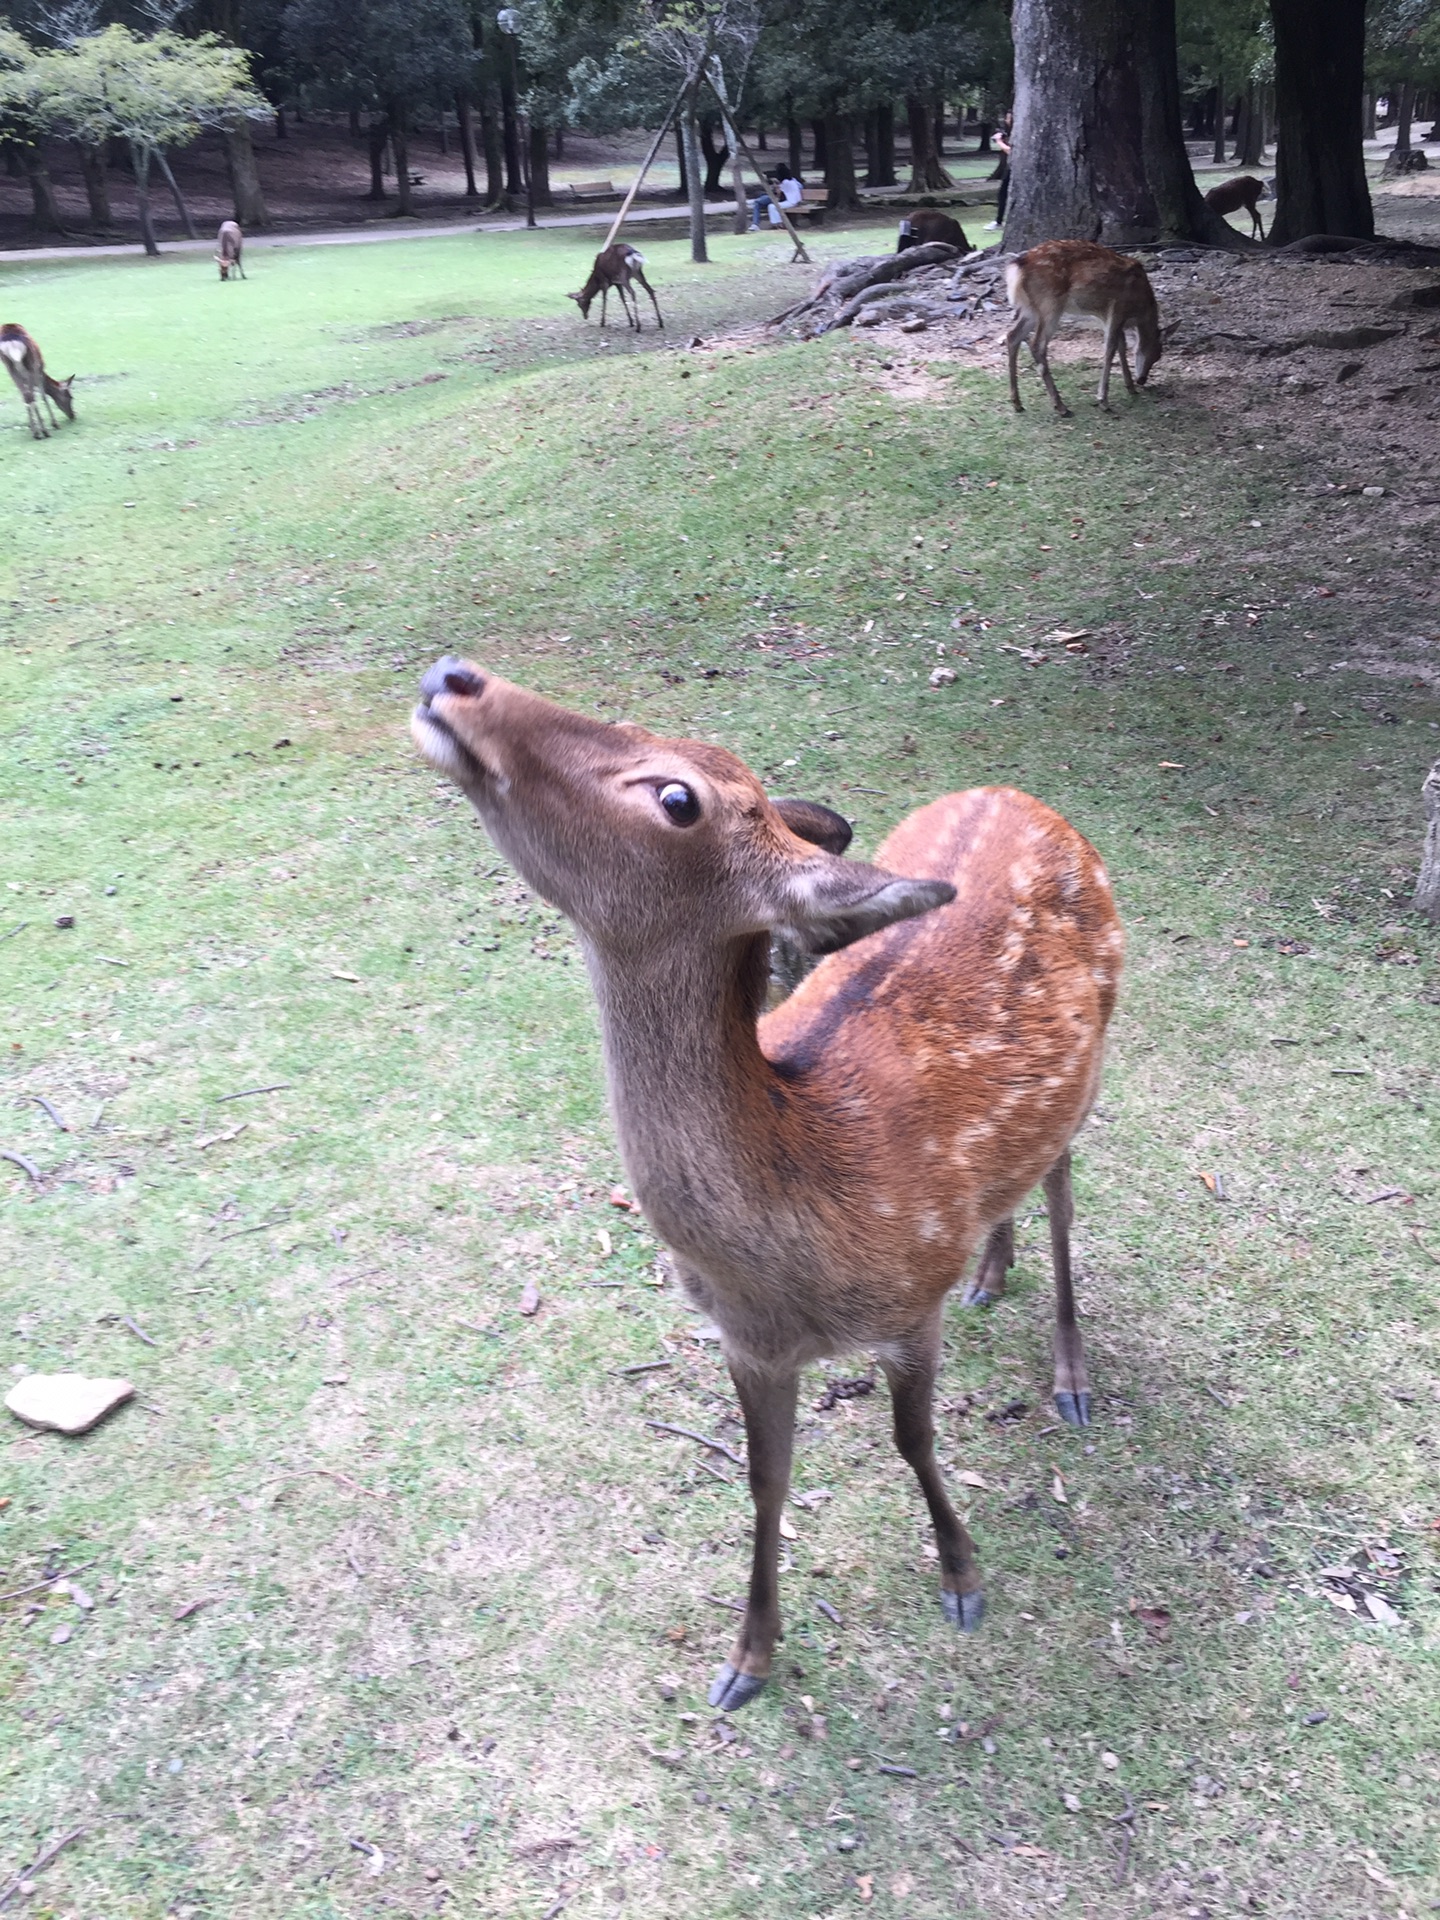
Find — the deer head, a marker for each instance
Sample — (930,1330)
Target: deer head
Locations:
(224,266)
(582,300)
(59,391)
(647,843)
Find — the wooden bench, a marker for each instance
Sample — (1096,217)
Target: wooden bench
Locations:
(594,190)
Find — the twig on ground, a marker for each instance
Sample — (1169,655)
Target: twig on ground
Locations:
(13,931)
(1125,1821)
(193,1606)
(27,1167)
(354,1565)
(51,1852)
(646,1366)
(138,1331)
(66,1573)
(735,1606)
(715,1473)
(700,1439)
(246,1093)
(1217,1397)
(49,1110)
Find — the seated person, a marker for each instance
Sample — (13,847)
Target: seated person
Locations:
(788,192)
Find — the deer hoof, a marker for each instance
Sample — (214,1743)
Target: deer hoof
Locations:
(1073,1408)
(731,1690)
(964,1610)
(976,1296)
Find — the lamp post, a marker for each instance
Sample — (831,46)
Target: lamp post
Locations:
(508,21)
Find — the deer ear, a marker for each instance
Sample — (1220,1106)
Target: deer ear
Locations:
(831,903)
(821,826)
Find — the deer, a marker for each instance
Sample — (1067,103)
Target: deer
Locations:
(824,1172)
(26,366)
(616,267)
(917,229)
(231,242)
(1244,191)
(1045,281)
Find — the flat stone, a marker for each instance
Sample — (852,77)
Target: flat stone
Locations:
(66,1402)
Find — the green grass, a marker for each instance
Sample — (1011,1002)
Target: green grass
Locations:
(450,1578)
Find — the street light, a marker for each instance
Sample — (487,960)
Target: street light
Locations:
(508,21)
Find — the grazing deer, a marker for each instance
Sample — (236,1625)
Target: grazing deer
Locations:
(232,247)
(1245,191)
(918,229)
(1091,280)
(616,267)
(824,1173)
(26,366)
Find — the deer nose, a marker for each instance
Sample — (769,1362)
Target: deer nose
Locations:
(451,676)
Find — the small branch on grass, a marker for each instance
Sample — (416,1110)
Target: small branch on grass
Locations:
(247,1093)
(51,1852)
(138,1331)
(193,1606)
(13,931)
(715,1473)
(1126,1821)
(700,1439)
(646,1366)
(27,1167)
(67,1573)
(735,1606)
(46,1107)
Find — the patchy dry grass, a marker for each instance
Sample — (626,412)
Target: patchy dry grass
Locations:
(459,1603)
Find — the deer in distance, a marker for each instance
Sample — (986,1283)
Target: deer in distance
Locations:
(823,1173)
(617,267)
(1244,191)
(1077,275)
(231,242)
(918,229)
(26,366)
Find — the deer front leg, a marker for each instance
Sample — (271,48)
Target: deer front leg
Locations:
(911,1372)
(1040,353)
(1130,386)
(769,1408)
(987,1283)
(1072,1382)
(604,296)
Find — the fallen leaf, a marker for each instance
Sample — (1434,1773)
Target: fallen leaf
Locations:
(1072,1802)
(967,1478)
(1110,1761)
(621,1199)
(942,676)
(1057,1487)
(61,1634)
(1344,1601)
(1157,1621)
(865,1885)
(353,978)
(1381,1610)
(530,1299)
(606,1245)
(1172,766)
(787,1530)
(902,1884)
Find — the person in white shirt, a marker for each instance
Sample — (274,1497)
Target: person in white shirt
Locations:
(788,192)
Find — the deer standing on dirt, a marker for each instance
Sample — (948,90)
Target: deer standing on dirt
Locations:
(1244,191)
(918,229)
(823,1174)
(232,246)
(26,366)
(1087,279)
(616,267)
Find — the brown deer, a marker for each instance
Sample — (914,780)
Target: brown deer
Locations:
(822,1173)
(918,229)
(1244,191)
(26,366)
(616,267)
(1091,280)
(232,246)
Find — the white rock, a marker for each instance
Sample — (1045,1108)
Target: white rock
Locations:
(942,677)
(66,1402)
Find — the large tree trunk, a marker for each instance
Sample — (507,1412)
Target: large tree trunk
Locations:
(379,136)
(817,135)
(840,189)
(1098,148)
(926,172)
(539,155)
(1250,142)
(880,146)
(465,120)
(490,143)
(175,194)
(46,215)
(795,143)
(1404,115)
(715,156)
(1217,153)
(140,165)
(1320,184)
(510,121)
(400,147)
(97,187)
(245,188)
(694,180)
(683,191)
(1368,112)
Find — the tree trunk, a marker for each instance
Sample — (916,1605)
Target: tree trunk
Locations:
(46,217)
(140,165)
(694,179)
(97,187)
(490,143)
(245,189)
(985,128)
(1218,151)
(761,146)
(880,146)
(465,124)
(840,190)
(1099,148)
(1404,114)
(353,115)
(684,188)
(510,121)
(1367,111)
(559,149)
(400,146)
(938,136)
(737,178)
(379,137)
(1250,147)
(176,195)
(539,156)
(715,157)
(282,132)
(795,143)
(1320,183)
(822,158)
(926,172)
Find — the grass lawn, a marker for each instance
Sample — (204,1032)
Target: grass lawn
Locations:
(398,1606)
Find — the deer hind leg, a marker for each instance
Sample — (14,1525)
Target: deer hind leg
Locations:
(630,304)
(1072,1382)
(769,1408)
(659,320)
(1019,330)
(911,1372)
(987,1283)
(1040,353)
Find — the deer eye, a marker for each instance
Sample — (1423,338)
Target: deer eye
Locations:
(681,806)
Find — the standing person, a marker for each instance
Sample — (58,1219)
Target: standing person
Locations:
(788,192)
(1002,141)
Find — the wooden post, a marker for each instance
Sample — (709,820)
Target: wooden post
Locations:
(1427,887)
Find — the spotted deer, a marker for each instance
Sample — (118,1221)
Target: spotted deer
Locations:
(617,267)
(822,1173)
(1077,275)
(26,366)
(231,242)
